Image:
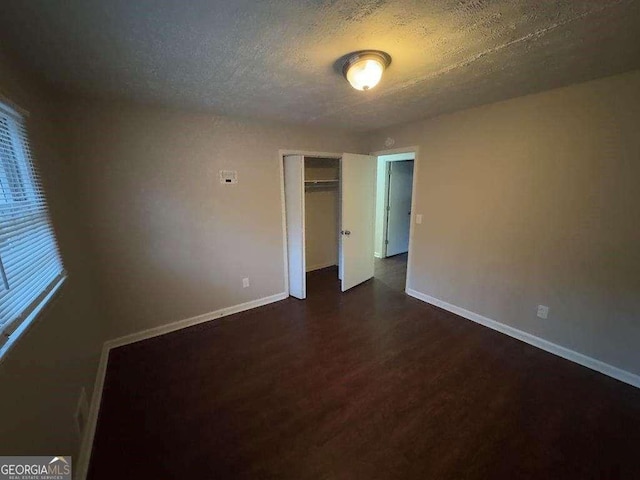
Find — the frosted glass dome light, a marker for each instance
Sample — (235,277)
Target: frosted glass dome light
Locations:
(363,70)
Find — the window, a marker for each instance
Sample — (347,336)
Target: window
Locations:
(30,265)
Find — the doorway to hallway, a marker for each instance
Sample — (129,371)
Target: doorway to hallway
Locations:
(394,198)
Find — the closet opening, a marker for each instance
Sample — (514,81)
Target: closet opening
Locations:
(346,220)
(322,223)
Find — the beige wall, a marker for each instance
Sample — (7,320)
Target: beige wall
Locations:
(536,201)
(321,214)
(42,375)
(172,242)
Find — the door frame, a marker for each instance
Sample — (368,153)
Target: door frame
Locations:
(387,211)
(385,193)
(281,154)
(416,166)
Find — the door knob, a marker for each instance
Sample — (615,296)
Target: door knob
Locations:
(345,232)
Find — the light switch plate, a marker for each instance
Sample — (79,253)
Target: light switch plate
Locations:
(419,218)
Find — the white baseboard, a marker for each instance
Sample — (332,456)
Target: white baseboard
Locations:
(579,358)
(321,265)
(82,466)
(172,327)
(86,445)
(377,254)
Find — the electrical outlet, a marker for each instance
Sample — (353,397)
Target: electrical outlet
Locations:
(543,311)
(245,282)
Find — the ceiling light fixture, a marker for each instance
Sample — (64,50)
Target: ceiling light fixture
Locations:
(363,70)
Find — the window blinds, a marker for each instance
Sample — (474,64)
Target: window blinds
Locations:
(30,264)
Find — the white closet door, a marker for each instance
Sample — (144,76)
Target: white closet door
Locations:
(294,210)
(358,193)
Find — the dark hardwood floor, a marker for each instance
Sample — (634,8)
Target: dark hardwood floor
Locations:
(369,384)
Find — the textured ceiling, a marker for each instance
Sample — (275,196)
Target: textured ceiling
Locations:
(276,59)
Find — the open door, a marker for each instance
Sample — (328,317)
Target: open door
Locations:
(399,207)
(358,193)
(294,213)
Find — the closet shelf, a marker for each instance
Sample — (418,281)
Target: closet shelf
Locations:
(308,183)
